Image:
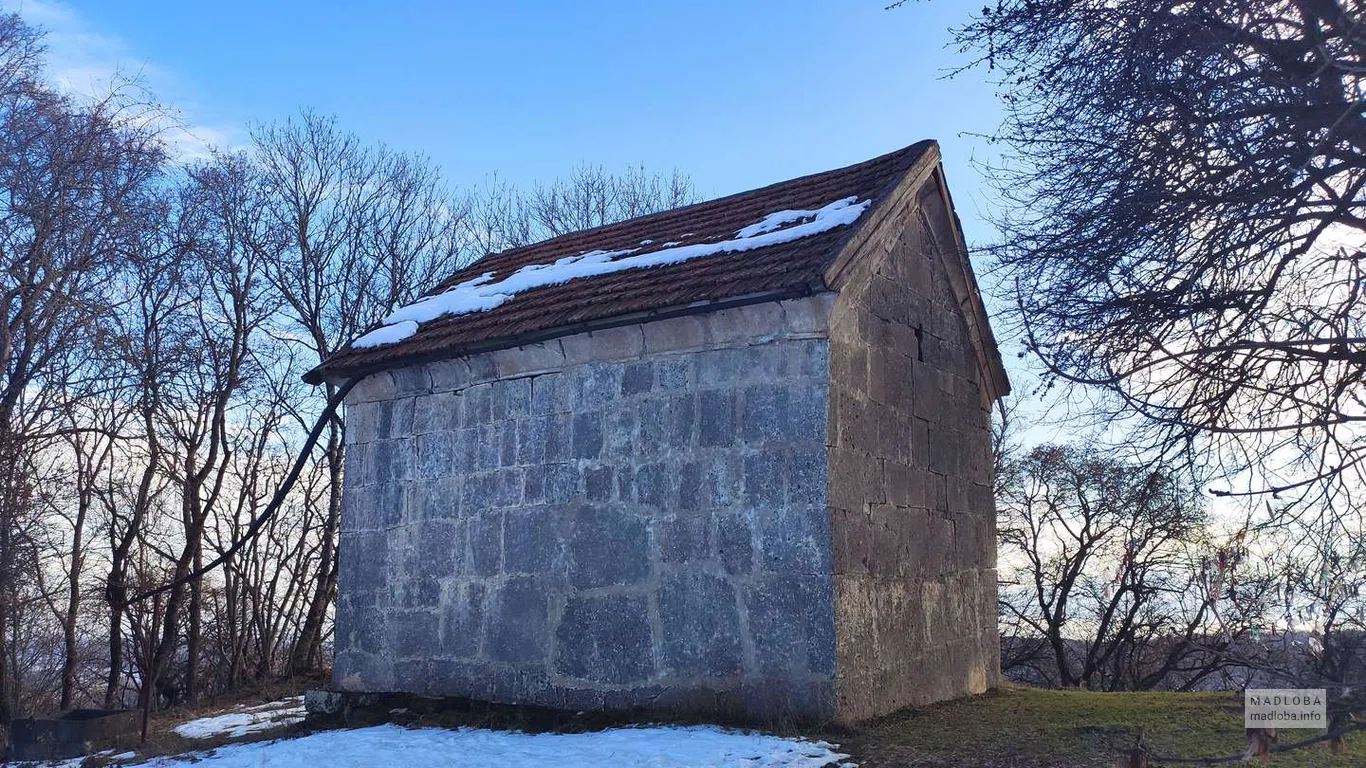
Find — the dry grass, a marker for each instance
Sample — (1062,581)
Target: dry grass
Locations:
(1016,727)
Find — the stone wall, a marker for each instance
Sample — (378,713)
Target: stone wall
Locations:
(913,519)
(635,517)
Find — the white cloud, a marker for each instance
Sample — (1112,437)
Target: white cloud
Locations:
(87,62)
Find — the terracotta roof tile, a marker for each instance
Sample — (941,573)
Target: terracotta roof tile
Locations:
(793,266)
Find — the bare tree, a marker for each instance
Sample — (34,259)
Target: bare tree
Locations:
(1112,579)
(592,196)
(76,180)
(1184,220)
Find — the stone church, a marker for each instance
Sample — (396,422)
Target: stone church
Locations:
(731,459)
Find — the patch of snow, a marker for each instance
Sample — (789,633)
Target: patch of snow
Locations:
(658,747)
(484,293)
(387,334)
(775,221)
(647,242)
(245,721)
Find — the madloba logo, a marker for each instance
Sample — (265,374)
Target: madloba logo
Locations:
(1285,708)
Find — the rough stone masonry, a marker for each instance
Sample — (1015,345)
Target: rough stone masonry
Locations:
(775,510)
(617,520)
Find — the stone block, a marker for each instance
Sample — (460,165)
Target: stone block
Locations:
(716,418)
(587,435)
(637,379)
(561,483)
(462,621)
(607,547)
(765,479)
(653,485)
(619,434)
(595,385)
(363,672)
(477,406)
(510,486)
(411,634)
(449,375)
(394,419)
(488,448)
(791,620)
(507,444)
(436,413)
(807,415)
(710,483)
(413,675)
(806,476)
(559,437)
(744,324)
(673,372)
(533,541)
(718,367)
(681,416)
(675,334)
(605,639)
(363,561)
(699,625)
(388,504)
(435,454)
(510,399)
(796,540)
(811,360)
(374,387)
(517,627)
(441,542)
(533,434)
(906,485)
(808,315)
(481,368)
(355,465)
(531,358)
(762,363)
(608,344)
(735,541)
(598,484)
(684,537)
(766,413)
(485,533)
(416,590)
(549,394)
(361,422)
(411,380)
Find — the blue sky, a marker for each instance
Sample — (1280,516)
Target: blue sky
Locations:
(736,94)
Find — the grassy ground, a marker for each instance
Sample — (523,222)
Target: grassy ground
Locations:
(1013,727)
(163,740)
(1030,728)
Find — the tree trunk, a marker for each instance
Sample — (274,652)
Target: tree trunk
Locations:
(305,656)
(73,604)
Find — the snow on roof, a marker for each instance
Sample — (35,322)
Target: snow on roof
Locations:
(704,255)
(484,293)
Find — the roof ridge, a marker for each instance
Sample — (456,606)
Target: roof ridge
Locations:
(626,224)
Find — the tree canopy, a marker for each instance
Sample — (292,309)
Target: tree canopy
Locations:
(1183,218)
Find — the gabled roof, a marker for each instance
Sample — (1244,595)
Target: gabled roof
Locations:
(784,269)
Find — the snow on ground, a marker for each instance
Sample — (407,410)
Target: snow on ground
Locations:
(655,747)
(484,293)
(244,720)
